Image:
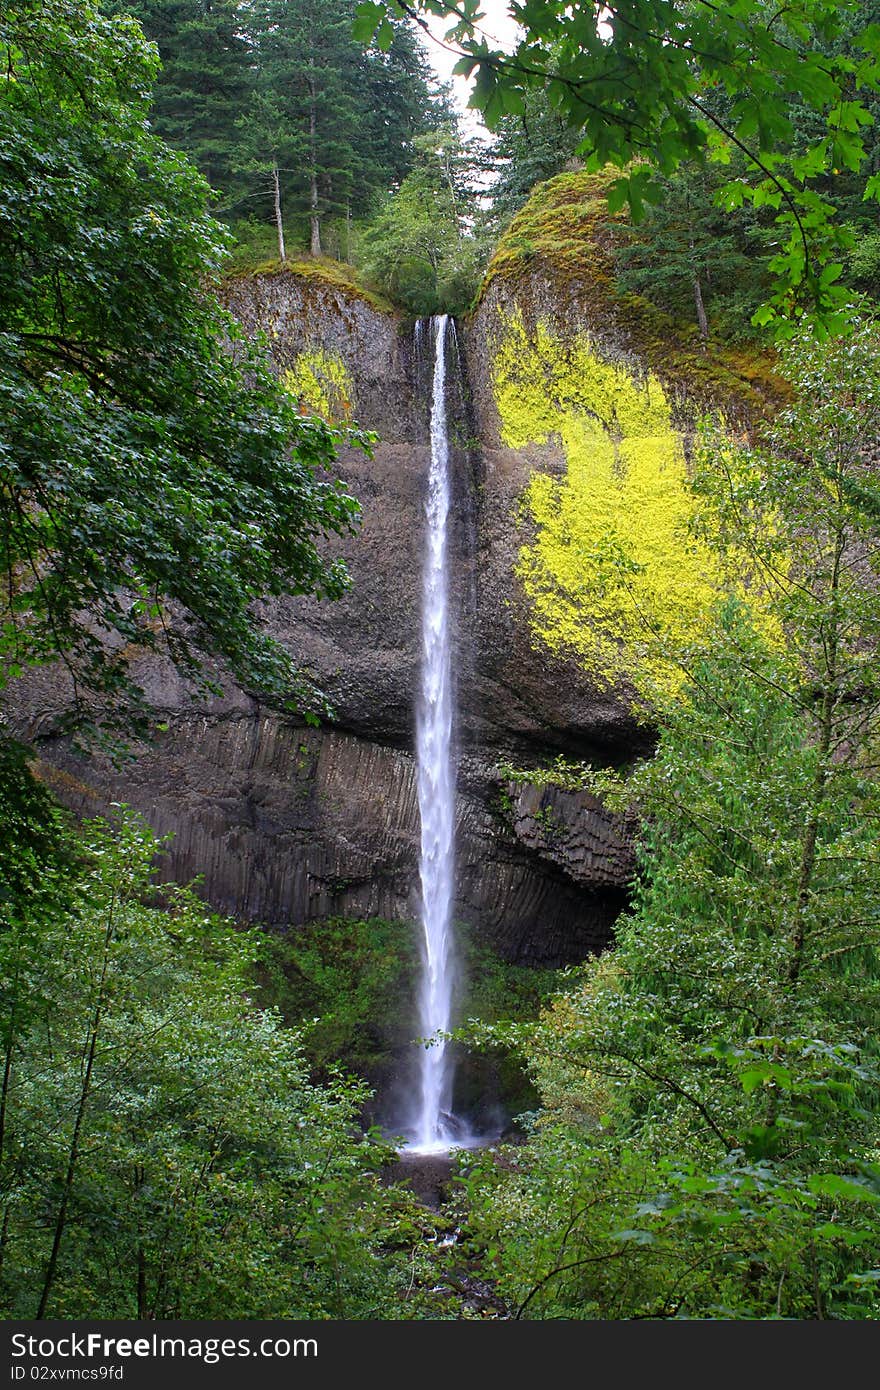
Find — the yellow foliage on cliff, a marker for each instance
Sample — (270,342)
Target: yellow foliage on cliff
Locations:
(321,383)
(617,572)
(563,238)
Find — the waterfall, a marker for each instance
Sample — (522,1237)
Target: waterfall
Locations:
(434,1129)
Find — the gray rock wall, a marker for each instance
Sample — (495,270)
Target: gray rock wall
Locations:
(288,824)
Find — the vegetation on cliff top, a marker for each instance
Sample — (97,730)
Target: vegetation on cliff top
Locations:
(565,237)
(254,258)
(651,86)
(295,125)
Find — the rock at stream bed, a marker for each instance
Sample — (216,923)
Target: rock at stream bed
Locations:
(429,1176)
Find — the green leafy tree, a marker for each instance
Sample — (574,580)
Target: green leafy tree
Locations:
(639,80)
(843,185)
(164,1153)
(421,247)
(691,247)
(708,1143)
(154,478)
(36,864)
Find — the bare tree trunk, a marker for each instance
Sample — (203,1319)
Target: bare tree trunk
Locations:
(314,216)
(7,1083)
(700,306)
(809,848)
(701,312)
(279,225)
(315,221)
(4,1232)
(82,1106)
(450,183)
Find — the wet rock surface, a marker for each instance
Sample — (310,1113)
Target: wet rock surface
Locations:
(459,1279)
(288,824)
(428,1176)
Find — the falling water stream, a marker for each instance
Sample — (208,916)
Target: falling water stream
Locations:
(433,1129)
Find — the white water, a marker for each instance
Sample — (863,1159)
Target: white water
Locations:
(433,1129)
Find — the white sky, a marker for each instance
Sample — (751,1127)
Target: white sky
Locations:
(497,26)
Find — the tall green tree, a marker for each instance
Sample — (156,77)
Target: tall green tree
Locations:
(421,246)
(330,127)
(233,93)
(302,126)
(203,83)
(154,478)
(400,101)
(163,1153)
(695,259)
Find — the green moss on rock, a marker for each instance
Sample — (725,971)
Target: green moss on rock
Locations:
(322,273)
(565,236)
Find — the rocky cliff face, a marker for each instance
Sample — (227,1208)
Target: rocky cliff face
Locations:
(287,823)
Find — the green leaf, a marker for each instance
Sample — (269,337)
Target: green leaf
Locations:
(835,1185)
(872,188)
(617,195)
(833,1230)
(635,1237)
(368,16)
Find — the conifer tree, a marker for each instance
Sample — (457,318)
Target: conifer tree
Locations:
(398,103)
(694,259)
(302,129)
(204,82)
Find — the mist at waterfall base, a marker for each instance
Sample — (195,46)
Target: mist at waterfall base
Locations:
(430,1126)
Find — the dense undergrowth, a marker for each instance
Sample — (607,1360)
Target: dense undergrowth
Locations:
(184,1113)
(164,1152)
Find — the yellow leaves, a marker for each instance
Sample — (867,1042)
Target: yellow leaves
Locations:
(536,378)
(571,1090)
(321,384)
(616,573)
